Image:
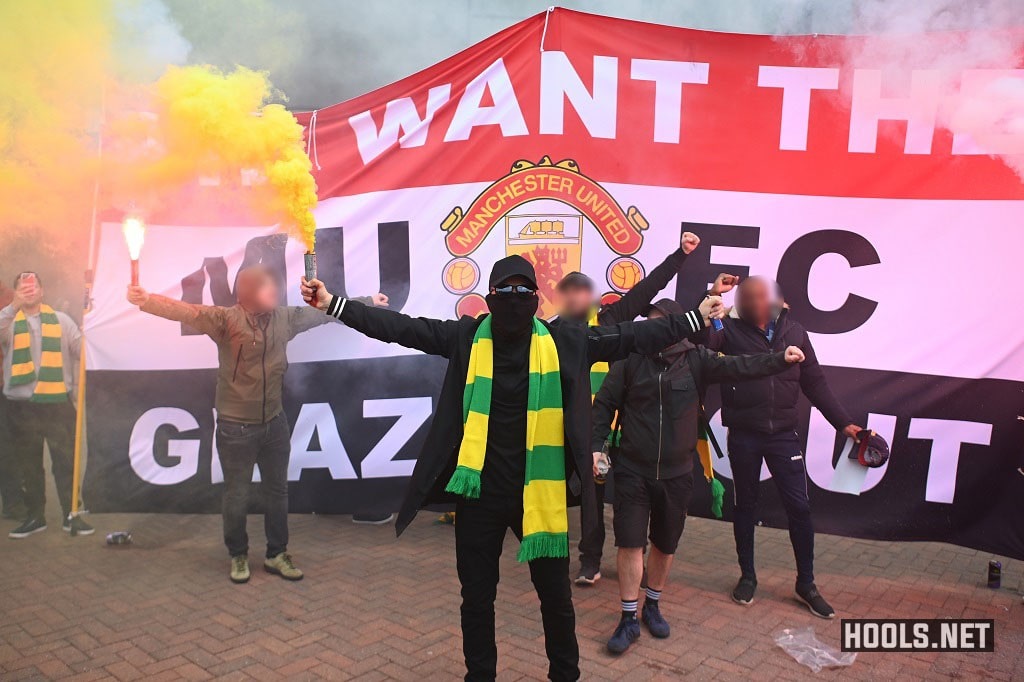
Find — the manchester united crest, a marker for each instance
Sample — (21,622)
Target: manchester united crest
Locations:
(544,210)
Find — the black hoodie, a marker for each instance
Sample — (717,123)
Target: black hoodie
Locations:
(657,397)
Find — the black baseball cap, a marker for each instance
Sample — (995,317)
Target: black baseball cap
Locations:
(665,306)
(871,449)
(509,267)
(575,280)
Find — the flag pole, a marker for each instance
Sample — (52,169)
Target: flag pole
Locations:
(76,475)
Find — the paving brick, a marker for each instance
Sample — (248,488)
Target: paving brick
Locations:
(372,608)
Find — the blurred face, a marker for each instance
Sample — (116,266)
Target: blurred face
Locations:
(265,298)
(575,302)
(656,315)
(755,300)
(30,288)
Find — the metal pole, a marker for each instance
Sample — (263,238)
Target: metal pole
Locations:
(76,475)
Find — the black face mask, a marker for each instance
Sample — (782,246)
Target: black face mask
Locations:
(512,314)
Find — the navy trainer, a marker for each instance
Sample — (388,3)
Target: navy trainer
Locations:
(627,632)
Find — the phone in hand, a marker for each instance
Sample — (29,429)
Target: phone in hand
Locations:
(28,282)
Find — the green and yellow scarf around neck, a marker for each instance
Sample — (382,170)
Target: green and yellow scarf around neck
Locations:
(599,370)
(49,378)
(545,517)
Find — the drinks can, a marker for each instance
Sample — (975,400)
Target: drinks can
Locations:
(995,574)
(120,537)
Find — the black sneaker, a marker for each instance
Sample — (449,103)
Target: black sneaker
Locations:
(654,621)
(743,593)
(28,528)
(627,632)
(810,596)
(590,573)
(77,526)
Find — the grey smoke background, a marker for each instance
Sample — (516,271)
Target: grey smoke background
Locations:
(320,52)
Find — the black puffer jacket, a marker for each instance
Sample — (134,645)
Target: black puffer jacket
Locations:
(657,397)
(770,405)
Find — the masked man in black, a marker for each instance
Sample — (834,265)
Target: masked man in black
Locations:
(507,443)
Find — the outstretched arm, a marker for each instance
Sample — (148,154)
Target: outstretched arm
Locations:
(207,319)
(635,301)
(715,367)
(650,336)
(434,337)
(304,318)
(817,390)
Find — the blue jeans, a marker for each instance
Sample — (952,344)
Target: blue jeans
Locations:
(241,446)
(785,459)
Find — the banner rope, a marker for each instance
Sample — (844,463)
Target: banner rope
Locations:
(311,139)
(544,33)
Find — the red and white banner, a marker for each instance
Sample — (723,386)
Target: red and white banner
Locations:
(589,143)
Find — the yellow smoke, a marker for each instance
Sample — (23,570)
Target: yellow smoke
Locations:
(55,58)
(202,122)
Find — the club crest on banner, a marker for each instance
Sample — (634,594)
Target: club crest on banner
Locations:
(523,203)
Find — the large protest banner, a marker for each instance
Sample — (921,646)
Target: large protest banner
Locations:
(589,143)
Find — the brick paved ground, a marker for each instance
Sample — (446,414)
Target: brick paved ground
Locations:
(373,608)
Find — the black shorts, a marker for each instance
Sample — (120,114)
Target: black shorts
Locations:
(658,504)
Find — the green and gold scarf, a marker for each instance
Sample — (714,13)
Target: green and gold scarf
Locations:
(49,379)
(545,518)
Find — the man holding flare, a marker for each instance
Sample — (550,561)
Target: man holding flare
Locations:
(509,439)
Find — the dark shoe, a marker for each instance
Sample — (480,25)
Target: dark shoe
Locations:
(810,596)
(28,528)
(77,526)
(590,573)
(743,593)
(655,622)
(626,633)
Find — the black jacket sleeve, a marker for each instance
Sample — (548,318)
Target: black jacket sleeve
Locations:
(817,390)
(635,301)
(715,367)
(434,337)
(645,337)
(607,401)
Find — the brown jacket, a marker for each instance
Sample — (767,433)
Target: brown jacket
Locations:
(251,351)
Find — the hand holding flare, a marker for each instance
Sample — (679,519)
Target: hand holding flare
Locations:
(134,236)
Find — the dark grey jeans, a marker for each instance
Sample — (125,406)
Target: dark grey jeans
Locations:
(241,446)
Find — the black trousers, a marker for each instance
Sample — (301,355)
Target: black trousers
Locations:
(480,527)
(31,425)
(785,459)
(592,531)
(10,471)
(242,446)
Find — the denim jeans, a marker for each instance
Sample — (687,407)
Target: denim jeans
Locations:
(785,459)
(241,446)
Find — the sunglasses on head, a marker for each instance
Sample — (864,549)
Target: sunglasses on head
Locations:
(521,289)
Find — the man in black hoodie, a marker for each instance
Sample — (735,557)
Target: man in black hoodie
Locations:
(657,397)
(762,420)
(499,502)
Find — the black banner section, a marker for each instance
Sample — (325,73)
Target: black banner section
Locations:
(357,424)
